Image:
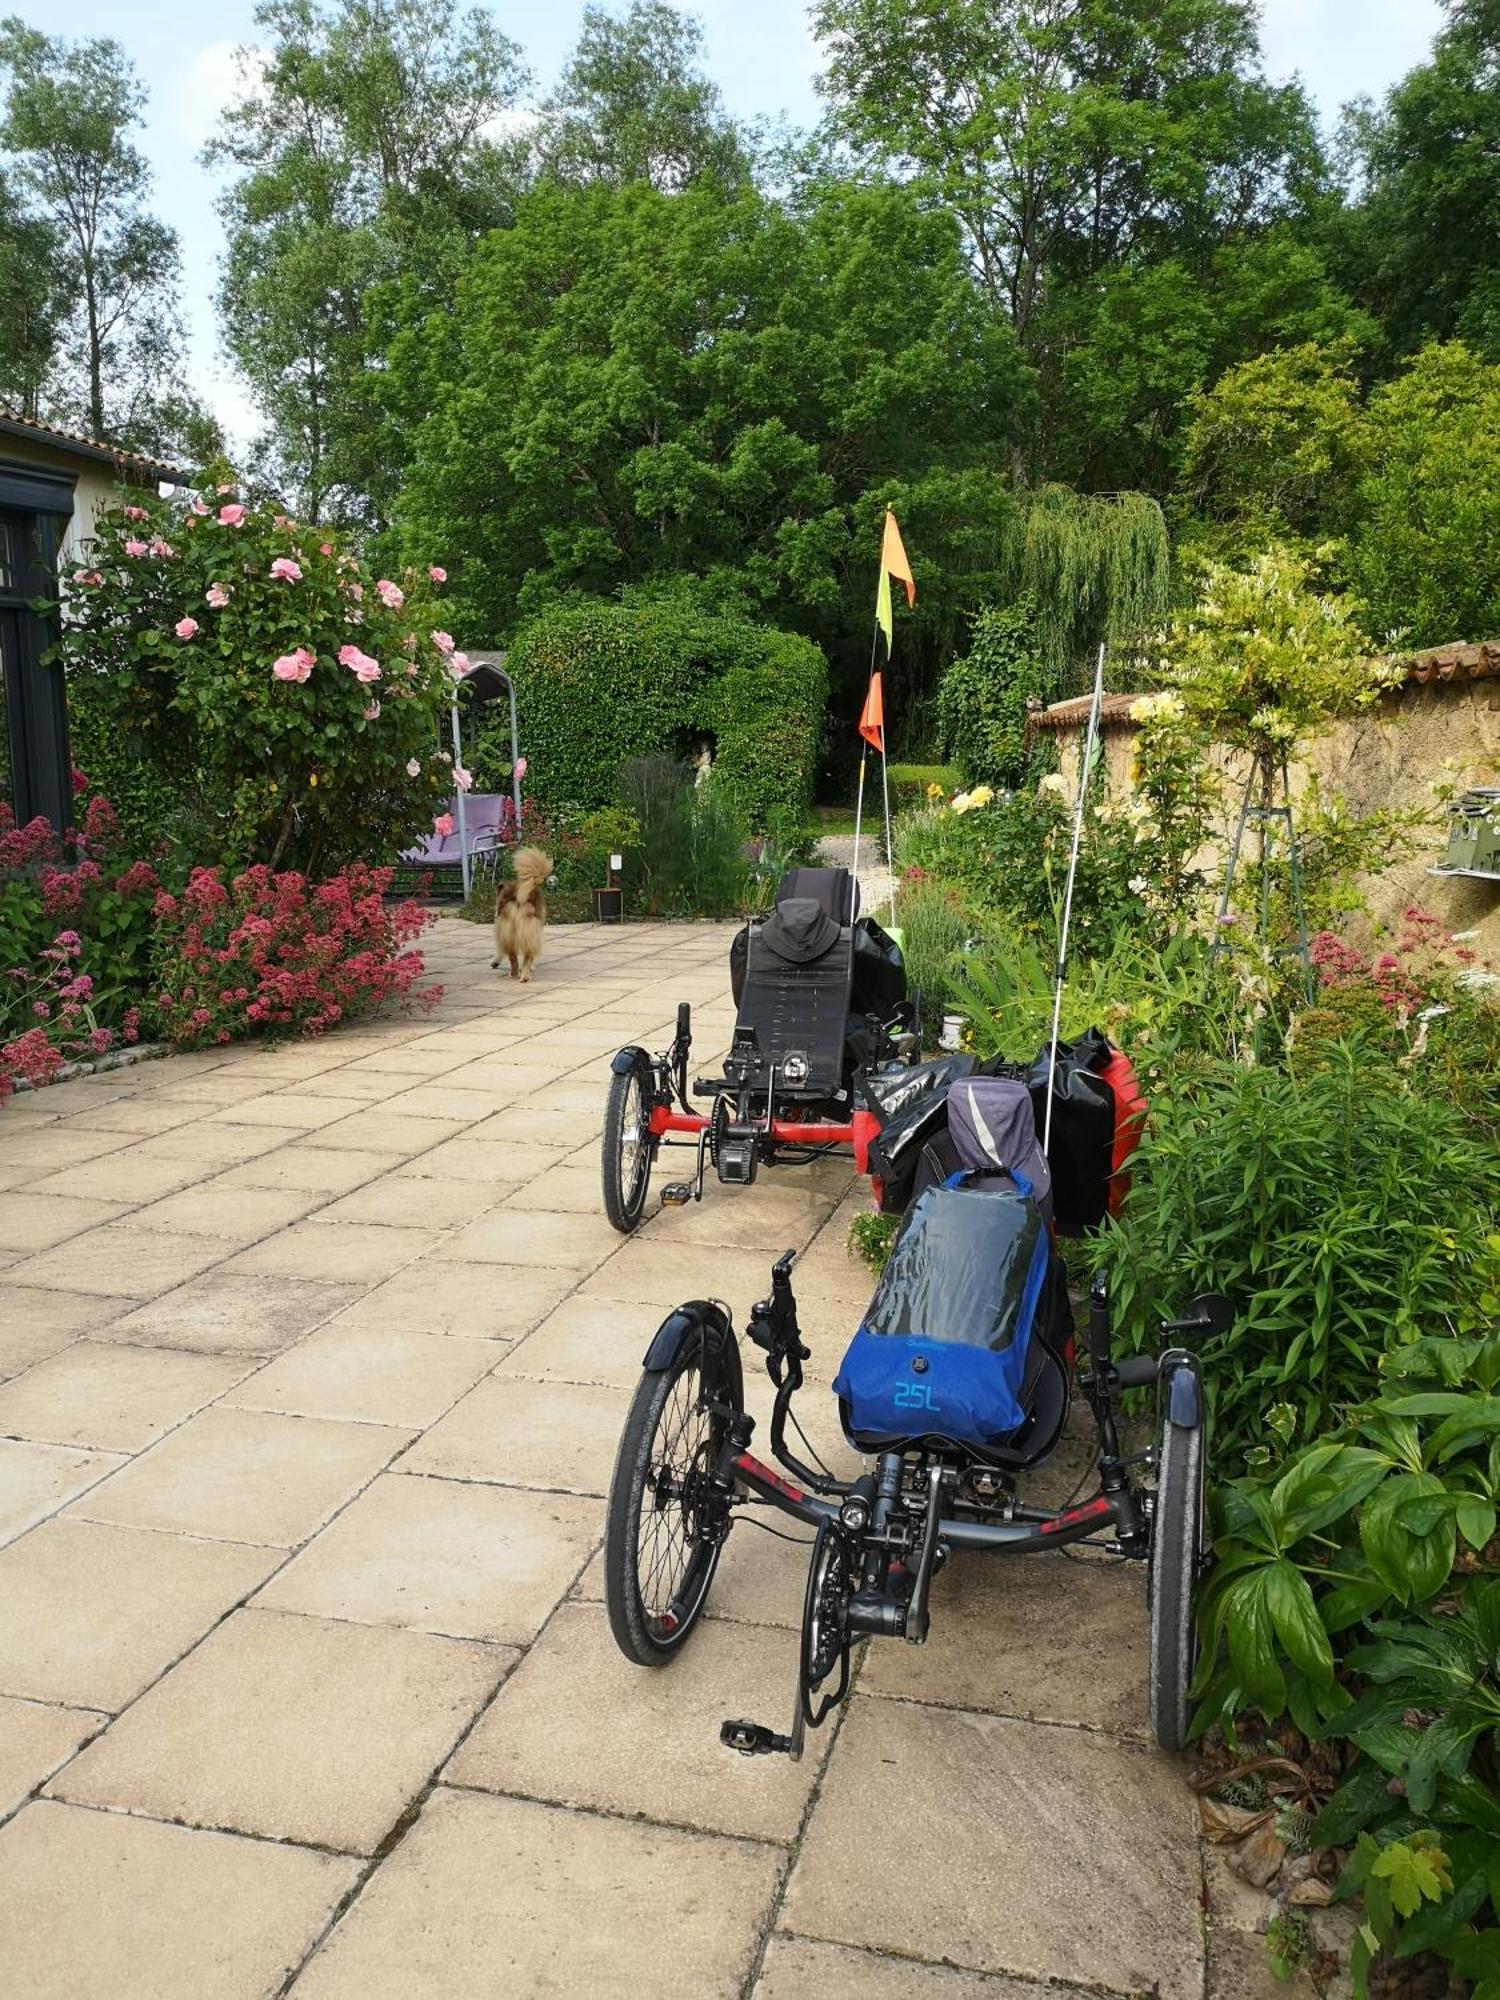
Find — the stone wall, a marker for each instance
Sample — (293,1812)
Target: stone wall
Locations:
(1429,733)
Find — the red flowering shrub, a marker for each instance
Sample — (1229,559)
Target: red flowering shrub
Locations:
(1425,1002)
(75,933)
(272,953)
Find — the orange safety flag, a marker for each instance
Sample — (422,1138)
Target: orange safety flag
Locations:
(872,716)
(893,562)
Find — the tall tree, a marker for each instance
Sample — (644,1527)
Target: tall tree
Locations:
(1113,164)
(70,109)
(371,151)
(1422,241)
(637,387)
(1069,135)
(634,105)
(33,303)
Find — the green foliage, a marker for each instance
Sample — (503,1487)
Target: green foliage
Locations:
(1092,571)
(870,1239)
(1263,662)
(630,385)
(1344,1213)
(633,105)
(1425,557)
(1277,446)
(934,926)
(601,683)
(1354,1588)
(914,786)
(242,687)
(365,164)
(692,856)
(983,699)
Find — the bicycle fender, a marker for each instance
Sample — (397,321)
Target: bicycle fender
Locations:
(623,1061)
(698,1319)
(1185,1399)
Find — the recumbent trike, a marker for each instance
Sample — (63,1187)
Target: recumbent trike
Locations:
(956,1384)
(822,1014)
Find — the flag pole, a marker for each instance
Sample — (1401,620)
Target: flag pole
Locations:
(885,780)
(864,751)
(1061,973)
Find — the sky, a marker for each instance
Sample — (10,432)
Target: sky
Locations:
(759,52)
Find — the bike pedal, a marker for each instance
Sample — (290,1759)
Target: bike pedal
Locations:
(752,1739)
(677,1194)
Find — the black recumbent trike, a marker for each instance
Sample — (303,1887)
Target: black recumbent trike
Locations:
(822,1015)
(956,1384)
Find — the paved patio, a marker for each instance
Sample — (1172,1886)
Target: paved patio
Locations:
(312,1364)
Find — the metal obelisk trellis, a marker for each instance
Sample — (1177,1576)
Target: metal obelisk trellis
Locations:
(1267,816)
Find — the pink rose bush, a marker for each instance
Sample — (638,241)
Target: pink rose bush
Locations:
(272,953)
(218,649)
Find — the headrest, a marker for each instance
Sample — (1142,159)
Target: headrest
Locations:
(799,930)
(832,889)
(993,1127)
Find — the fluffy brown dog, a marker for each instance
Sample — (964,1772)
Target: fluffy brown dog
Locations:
(521,913)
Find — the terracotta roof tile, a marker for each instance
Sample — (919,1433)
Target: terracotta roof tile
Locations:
(18,426)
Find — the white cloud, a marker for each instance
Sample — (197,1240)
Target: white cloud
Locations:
(219,75)
(1347,48)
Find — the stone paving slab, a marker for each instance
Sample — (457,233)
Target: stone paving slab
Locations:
(292,1728)
(313,1363)
(135,1910)
(458,1558)
(1092,1839)
(502,1896)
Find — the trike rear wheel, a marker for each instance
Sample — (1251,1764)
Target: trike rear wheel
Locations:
(628,1150)
(665,1523)
(1176,1552)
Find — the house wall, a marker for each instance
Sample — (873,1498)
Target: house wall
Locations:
(96,485)
(1397,754)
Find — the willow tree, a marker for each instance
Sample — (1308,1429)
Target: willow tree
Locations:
(1092,567)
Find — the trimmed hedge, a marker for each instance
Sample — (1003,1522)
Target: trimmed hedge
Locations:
(600,683)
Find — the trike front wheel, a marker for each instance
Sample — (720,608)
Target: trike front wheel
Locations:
(628,1150)
(666,1522)
(1172,1571)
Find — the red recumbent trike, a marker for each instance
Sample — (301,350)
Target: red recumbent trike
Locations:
(822,1015)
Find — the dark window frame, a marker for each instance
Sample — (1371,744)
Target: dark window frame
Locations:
(35,507)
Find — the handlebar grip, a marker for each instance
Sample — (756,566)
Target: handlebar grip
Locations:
(684,1017)
(1139,1372)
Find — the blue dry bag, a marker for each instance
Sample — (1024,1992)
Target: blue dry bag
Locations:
(942,1351)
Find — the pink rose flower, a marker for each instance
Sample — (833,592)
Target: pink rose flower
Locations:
(413,767)
(185,627)
(458,665)
(283,521)
(287,570)
(196,506)
(231,516)
(294,666)
(135,549)
(372,711)
(325,548)
(352,589)
(216,595)
(163,549)
(437,575)
(360,664)
(443,825)
(389,594)
(227,487)
(520,767)
(444,641)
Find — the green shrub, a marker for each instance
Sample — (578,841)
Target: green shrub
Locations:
(692,855)
(1344,1214)
(913,786)
(982,701)
(600,684)
(1354,1590)
(935,925)
(870,1239)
